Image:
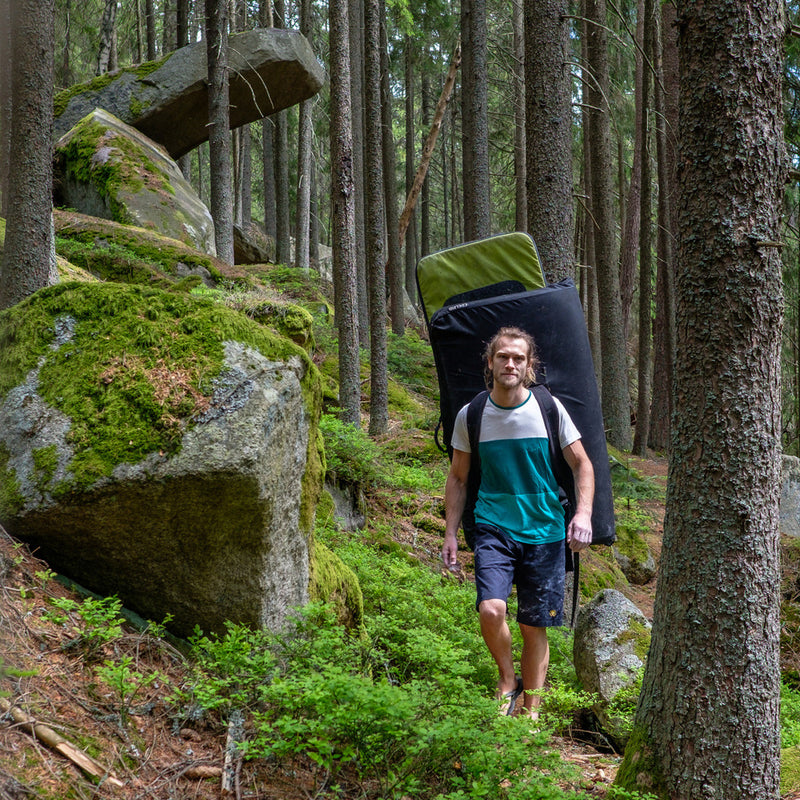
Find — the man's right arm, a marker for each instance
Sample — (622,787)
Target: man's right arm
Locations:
(455,499)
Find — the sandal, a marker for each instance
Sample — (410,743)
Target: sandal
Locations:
(508,701)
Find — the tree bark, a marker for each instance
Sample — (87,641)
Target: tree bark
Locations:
(28,250)
(150,28)
(283,225)
(107,28)
(548,134)
(707,724)
(475,121)
(219,138)
(666,97)
(394,266)
(6,66)
(343,214)
(520,191)
(373,172)
(616,403)
(629,248)
(644,366)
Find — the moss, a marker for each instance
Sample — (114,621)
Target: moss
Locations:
(401,402)
(45,462)
(108,175)
(790,770)
(137,369)
(332,581)
(61,99)
(638,633)
(11,499)
(288,319)
(599,570)
(122,256)
(640,770)
(629,540)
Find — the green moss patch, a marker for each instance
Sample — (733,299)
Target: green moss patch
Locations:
(115,252)
(61,100)
(138,369)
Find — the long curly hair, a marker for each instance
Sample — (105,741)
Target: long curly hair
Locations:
(491,349)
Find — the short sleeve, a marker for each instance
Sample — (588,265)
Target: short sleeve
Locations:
(460,438)
(567,431)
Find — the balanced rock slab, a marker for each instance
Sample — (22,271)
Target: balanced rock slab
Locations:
(160,448)
(270,69)
(105,168)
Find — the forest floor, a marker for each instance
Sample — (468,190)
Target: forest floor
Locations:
(132,738)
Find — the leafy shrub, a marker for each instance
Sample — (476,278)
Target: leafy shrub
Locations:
(351,456)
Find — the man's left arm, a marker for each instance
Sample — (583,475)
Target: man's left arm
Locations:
(579,530)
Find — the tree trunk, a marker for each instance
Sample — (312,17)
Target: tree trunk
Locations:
(26,264)
(616,403)
(107,28)
(6,65)
(343,213)
(356,21)
(520,192)
(281,167)
(219,138)
(394,266)
(373,171)
(475,121)
(707,723)
(548,134)
(644,382)
(150,28)
(630,229)
(182,23)
(170,25)
(268,176)
(267,141)
(243,162)
(666,97)
(304,137)
(410,145)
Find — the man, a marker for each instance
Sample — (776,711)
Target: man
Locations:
(519,518)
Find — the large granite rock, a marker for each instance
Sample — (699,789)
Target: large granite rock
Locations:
(270,69)
(160,448)
(612,637)
(105,168)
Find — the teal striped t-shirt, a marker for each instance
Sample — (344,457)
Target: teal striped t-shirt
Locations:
(518,491)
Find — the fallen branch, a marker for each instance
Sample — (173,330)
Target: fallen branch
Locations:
(48,736)
(430,143)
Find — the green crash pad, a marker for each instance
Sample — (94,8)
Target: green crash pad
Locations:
(505,257)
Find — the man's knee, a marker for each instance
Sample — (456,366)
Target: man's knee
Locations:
(492,612)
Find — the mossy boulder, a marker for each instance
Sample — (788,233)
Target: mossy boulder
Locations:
(612,638)
(270,69)
(105,168)
(124,253)
(162,448)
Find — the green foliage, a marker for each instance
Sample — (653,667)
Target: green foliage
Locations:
(628,484)
(351,456)
(125,681)
(410,361)
(95,622)
(790,715)
(319,693)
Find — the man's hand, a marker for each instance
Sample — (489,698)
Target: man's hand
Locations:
(579,532)
(449,550)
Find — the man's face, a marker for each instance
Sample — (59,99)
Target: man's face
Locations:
(510,362)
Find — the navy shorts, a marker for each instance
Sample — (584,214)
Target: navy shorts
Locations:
(537,570)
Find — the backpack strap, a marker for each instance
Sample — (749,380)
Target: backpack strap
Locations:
(474,417)
(564,479)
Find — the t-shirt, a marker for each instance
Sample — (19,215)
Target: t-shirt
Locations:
(518,492)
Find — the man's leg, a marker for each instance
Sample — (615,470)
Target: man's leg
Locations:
(535,659)
(497,636)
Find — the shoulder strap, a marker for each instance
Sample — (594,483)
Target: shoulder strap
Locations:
(564,479)
(474,417)
(561,470)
